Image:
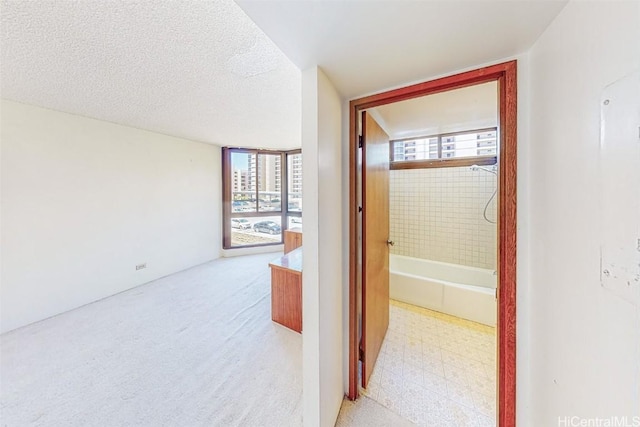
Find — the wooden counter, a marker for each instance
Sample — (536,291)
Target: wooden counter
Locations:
(286,290)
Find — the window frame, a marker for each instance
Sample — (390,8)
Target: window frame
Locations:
(443,162)
(227,195)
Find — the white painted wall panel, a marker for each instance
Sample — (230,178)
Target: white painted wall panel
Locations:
(85,201)
(323,241)
(585,339)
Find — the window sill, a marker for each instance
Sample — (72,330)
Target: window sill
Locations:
(444,163)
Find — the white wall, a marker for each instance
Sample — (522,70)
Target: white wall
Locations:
(85,201)
(585,346)
(346,235)
(228,253)
(322,339)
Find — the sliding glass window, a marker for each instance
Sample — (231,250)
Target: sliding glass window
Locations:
(466,148)
(262,196)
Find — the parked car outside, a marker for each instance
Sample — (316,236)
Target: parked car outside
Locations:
(267,227)
(241,223)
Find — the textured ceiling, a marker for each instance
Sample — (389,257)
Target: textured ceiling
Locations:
(193,69)
(472,107)
(368,46)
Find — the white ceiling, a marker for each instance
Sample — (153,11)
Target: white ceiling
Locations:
(472,107)
(203,70)
(368,46)
(194,69)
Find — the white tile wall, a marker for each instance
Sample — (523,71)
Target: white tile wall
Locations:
(436,214)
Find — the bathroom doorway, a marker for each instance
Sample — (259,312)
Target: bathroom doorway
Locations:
(437,359)
(433,149)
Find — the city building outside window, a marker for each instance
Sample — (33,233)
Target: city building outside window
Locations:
(262,196)
(454,149)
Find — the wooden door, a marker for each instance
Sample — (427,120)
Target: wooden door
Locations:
(375,234)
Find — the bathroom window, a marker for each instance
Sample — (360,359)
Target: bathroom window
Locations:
(451,149)
(262,195)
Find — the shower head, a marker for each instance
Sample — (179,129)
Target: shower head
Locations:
(492,170)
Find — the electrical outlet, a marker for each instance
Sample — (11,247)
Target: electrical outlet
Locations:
(141,266)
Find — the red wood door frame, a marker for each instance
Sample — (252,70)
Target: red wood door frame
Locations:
(506,76)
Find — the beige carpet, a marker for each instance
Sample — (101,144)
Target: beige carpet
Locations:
(196,348)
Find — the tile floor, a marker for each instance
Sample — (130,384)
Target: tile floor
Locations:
(436,370)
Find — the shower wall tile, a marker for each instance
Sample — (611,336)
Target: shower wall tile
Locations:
(436,214)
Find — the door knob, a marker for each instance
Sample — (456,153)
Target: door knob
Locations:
(390,242)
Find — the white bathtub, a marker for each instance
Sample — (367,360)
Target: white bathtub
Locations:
(458,290)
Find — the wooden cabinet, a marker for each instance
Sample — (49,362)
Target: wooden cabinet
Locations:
(286,290)
(292,239)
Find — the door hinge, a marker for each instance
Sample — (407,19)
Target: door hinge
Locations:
(361,354)
(359,208)
(359,141)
